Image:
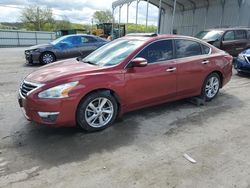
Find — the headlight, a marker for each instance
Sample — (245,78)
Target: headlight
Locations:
(60,91)
(241,57)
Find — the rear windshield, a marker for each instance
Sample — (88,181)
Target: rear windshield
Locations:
(209,35)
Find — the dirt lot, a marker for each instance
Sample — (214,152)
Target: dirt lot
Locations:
(144,149)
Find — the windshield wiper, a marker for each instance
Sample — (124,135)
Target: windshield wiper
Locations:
(89,62)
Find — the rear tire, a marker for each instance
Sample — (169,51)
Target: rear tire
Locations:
(211,86)
(97,111)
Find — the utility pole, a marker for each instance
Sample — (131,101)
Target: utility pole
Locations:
(38,19)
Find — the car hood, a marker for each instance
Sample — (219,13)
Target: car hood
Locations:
(40,46)
(246,52)
(60,70)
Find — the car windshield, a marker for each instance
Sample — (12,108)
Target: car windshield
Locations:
(114,52)
(58,40)
(209,35)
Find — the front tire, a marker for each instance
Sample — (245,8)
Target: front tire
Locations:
(47,58)
(97,111)
(211,86)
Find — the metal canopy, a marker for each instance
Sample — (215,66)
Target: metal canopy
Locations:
(181,5)
(174,6)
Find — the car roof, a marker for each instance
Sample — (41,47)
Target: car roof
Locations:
(227,29)
(72,35)
(153,37)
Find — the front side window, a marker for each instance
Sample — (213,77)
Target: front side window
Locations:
(158,51)
(229,36)
(187,48)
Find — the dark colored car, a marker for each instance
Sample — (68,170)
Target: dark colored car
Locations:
(64,47)
(242,63)
(124,75)
(231,40)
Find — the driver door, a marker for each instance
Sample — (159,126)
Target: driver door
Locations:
(156,82)
(69,48)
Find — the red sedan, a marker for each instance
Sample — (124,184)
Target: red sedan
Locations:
(132,72)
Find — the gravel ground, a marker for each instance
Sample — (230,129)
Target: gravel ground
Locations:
(143,149)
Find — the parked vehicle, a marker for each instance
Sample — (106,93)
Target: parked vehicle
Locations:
(231,40)
(242,63)
(64,47)
(124,75)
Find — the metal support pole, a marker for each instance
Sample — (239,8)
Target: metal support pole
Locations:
(146,28)
(239,3)
(159,18)
(222,12)
(172,26)
(128,12)
(136,19)
(193,23)
(113,21)
(205,21)
(119,30)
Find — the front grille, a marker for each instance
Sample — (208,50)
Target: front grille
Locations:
(26,88)
(248,59)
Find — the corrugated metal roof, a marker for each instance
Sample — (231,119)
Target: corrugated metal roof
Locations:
(180,4)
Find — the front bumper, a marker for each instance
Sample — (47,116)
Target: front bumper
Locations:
(53,112)
(242,66)
(32,57)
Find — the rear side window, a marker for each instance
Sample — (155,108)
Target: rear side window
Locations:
(187,48)
(206,49)
(229,35)
(158,51)
(240,34)
(87,39)
(248,34)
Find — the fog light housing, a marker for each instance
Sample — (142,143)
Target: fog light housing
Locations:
(48,116)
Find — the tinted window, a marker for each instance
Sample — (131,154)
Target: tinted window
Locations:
(209,35)
(240,34)
(248,34)
(158,51)
(206,49)
(87,39)
(229,35)
(186,48)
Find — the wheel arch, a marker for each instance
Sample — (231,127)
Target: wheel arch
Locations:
(110,91)
(47,51)
(220,75)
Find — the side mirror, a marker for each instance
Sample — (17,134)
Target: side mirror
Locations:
(139,62)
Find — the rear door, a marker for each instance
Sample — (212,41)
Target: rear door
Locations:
(241,41)
(157,81)
(88,45)
(193,61)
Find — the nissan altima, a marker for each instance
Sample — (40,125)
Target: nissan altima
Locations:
(126,74)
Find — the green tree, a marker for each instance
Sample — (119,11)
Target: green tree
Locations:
(37,18)
(103,17)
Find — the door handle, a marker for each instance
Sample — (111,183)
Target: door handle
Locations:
(205,62)
(172,69)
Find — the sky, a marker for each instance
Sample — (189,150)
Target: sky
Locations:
(77,11)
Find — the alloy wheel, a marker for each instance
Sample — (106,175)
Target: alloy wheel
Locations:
(99,112)
(212,87)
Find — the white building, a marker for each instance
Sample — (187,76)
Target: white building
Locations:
(188,17)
